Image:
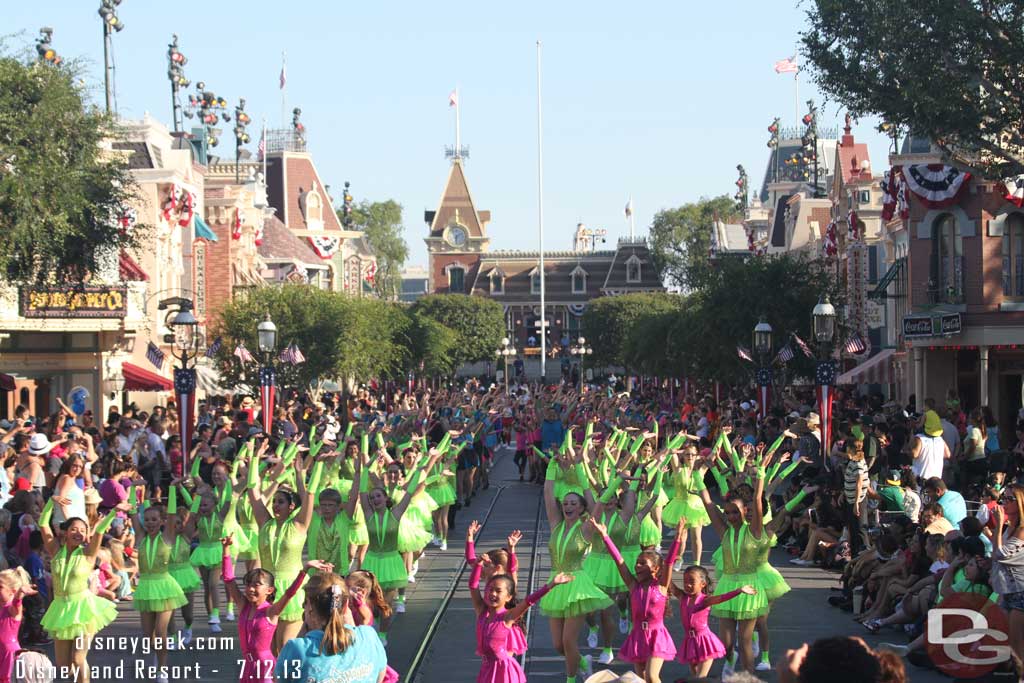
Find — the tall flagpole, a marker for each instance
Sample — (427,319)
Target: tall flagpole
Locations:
(632,219)
(540,226)
(796,97)
(264,152)
(284,89)
(458,130)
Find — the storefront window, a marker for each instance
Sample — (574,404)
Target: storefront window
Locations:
(1013,256)
(947,270)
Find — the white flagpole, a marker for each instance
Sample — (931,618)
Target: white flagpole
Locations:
(796,97)
(458,130)
(265,150)
(632,219)
(284,89)
(540,225)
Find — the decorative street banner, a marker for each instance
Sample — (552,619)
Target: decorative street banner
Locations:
(936,185)
(88,301)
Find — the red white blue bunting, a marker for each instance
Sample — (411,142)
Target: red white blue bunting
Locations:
(324,246)
(1013,190)
(937,185)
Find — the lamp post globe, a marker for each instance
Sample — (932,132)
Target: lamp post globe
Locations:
(824,319)
(184,325)
(763,338)
(266,334)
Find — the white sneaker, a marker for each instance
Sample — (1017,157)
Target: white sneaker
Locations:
(444,546)
(400,606)
(186,636)
(623,625)
(606,657)
(416,566)
(215,628)
(678,566)
(412,578)
(755,646)
(592,639)
(230,616)
(213,620)
(588,666)
(727,669)
(763,665)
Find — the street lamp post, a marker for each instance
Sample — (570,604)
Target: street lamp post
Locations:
(763,348)
(581,350)
(506,352)
(111,23)
(185,341)
(266,338)
(824,326)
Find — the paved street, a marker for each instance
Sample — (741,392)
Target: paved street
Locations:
(449,654)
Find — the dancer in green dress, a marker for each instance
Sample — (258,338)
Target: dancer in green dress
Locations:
(157,594)
(76,613)
(282,535)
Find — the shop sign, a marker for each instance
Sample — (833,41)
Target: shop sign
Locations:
(200,280)
(86,301)
(875,314)
(947,324)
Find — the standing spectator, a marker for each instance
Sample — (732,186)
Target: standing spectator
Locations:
(975,466)
(152,454)
(855,489)
(991,430)
(929,449)
(1008,562)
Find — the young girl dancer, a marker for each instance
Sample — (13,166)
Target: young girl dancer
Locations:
(14,585)
(498,562)
(700,647)
(365,596)
(206,557)
(686,505)
(649,643)
(180,567)
(257,620)
(157,595)
(76,614)
(566,605)
(496,614)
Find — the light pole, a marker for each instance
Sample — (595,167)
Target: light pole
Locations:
(176,62)
(824,325)
(266,339)
(185,341)
(581,350)
(507,351)
(763,349)
(111,23)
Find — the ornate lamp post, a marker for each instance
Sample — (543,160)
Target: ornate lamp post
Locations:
(266,336)
(824,325)
(185,341)
(505,353)
(581,350)
(763,349)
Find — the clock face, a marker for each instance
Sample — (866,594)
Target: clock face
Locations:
(457,236)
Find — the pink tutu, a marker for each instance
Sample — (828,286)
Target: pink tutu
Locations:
(503,669)
(390,675)
(643,643)
(516,640)
(700,646)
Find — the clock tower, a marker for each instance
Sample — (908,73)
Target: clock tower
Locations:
(457,237)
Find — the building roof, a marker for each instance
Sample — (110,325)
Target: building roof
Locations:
(456,198)
(280,244)
(289,176)
(852,156)
(778,229)
(731,236)
(139,158)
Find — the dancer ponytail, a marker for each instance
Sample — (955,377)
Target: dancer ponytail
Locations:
(365,579)
(329,603)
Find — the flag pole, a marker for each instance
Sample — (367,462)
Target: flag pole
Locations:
(264,153)
(458,130)
(796,97)
(284,88)
(540,224)
(632,219)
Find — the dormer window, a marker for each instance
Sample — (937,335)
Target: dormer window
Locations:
(535,281)
(312,208)
(579,280)
(633,269)
(497,282)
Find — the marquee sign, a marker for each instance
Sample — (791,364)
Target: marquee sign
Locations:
(89,301)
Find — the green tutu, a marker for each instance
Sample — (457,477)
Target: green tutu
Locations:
(650,533)
(602,569)
(388,567)
(716,559)
(743,606)
(771,582)
(412,537)
(685,507)
(293,610)
(247,540)
(158,593)
(443,493)
(78,614)
(186,576)
(574,599)
(207,555)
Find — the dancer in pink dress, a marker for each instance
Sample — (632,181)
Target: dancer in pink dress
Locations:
(366,595)
(258,618)
(14,585)
(494,563)
(649,643)
(700,647)
(496,613)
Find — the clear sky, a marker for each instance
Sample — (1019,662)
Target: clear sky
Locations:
(658,100)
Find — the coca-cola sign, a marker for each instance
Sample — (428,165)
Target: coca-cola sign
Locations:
(917,327)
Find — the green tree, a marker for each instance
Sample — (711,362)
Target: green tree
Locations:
(478,324)
(681,238)
(381,223)
(609,321)
(432,346)
(946,70)
(61,194)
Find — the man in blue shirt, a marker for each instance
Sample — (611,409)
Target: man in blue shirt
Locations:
(552,431)
(954,508)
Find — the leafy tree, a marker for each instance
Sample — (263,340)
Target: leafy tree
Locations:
(381,223)
(60,194)
(478,324)
(608,323)
(431,346)
(681,238)
(947,70)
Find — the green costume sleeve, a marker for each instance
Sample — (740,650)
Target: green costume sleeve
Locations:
(348,429)
(796,500)
(380,440)
(581,475)
(589,432)
(737,465)
(133,497)
(773,470)
(789,470)
(195,504)
(553,472)
(637,443)
(172,503)
(47,514)
(234,468)
(105,523)
(185,496)
(445,442)
(194,470)
(315,478)
(611,491)
(364,444)
(364,480)
(279,451)
(252,481)
(723,486)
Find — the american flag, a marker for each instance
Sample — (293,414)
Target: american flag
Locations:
(787,66)
(744,354)
(213,348)
(453,98)
(855,344)
(261,149)
(785,354)
(291,354)
(155,356)
(371,272)
(243,354)
(803,346)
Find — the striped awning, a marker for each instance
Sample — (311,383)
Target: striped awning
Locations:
(876,370)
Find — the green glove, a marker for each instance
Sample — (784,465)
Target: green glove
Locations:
(185,496)
(796,500)
(105,523)
(364,443)
(172,503)
(612,491)
(196,501)
(47,513)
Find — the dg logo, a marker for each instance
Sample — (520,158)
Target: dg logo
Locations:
(967,636)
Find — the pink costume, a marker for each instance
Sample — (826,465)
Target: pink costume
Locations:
(390,675)
(256,631)
(9,645)
(699,643)
(649,637)
(516,638)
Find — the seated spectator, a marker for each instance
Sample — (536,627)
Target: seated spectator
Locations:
(838,659)
(954,508)
(890,496)
(934,521)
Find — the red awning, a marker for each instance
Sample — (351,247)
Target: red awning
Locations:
(140,379)
(129,270)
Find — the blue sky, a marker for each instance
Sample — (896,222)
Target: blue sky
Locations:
(655,100)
